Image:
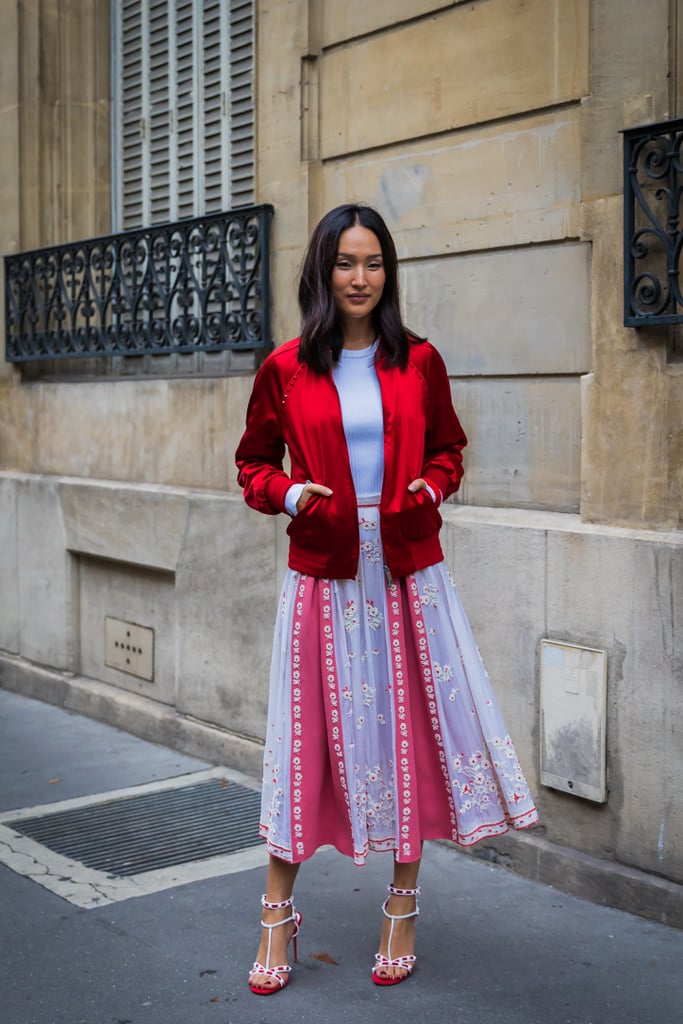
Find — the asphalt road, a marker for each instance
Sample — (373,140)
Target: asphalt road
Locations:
(492,948)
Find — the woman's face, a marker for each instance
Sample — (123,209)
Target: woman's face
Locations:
(358,276)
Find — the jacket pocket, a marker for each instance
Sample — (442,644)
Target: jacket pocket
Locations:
(420,518)
(311,526)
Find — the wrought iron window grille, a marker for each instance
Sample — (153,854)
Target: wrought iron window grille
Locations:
(653,234)
(199,285)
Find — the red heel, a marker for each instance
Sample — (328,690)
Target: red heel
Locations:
(405,963)
(283,969)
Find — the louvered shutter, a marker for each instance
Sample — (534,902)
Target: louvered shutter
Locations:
(130,177)
(186,121)
(216,77)
(159,115)
(184,91)
(241,102)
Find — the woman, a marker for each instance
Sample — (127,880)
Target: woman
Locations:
(382,726)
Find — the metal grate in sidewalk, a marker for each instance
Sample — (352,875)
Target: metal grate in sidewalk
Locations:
(136,834)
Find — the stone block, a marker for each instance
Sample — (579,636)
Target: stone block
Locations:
(65,121)
(134,594)
(485,61)
(174,432)
(650,707)
(7,370)
(494,186)
(85,207)
(283,172)
(625,77)
(226,593)
(46,606)
(632,440)
(286,317)
(617,590)
(31,139)
(508,312)
(356,17)
(126,532)
(10,170)
(9,565)
(523,576)
(9,68)
(141,526)
(524,441)
(674,432)
(18,433)
(10,182)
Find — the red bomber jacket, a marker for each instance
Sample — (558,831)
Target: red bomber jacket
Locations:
(294,408)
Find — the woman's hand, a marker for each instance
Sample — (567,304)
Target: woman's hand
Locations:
(308,492)
(421,485)
(417,485)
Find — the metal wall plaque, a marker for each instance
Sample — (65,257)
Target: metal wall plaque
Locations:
(573,719)
(129,648)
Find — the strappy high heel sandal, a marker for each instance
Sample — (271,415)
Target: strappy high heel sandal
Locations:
(405,963)
(275,972)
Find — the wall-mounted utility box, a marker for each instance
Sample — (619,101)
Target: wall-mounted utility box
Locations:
(573,719)
(129,648)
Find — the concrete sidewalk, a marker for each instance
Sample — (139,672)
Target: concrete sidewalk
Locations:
(492,947)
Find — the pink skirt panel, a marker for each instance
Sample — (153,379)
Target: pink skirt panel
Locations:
(382,727)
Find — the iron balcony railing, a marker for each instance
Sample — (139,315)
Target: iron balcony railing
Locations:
(653,235)
(197,285)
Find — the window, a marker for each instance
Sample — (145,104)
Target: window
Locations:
(183,148)
(184,122)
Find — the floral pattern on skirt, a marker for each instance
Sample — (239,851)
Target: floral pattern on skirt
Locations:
(383,729)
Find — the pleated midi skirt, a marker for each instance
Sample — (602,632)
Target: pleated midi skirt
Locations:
(383,729)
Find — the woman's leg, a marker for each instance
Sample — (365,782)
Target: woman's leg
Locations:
(279,886)
(403,936)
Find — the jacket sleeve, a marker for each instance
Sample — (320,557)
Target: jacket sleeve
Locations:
(261,451)
(445,438)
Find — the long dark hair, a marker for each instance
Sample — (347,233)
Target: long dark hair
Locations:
(322,338)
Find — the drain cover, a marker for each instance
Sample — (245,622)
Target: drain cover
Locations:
(135,834)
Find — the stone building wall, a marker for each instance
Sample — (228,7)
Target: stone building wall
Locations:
(487,133)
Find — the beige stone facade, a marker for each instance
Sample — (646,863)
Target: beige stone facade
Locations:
(487,133)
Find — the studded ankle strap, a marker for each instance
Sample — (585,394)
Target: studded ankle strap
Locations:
(395,891)
(276,906)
